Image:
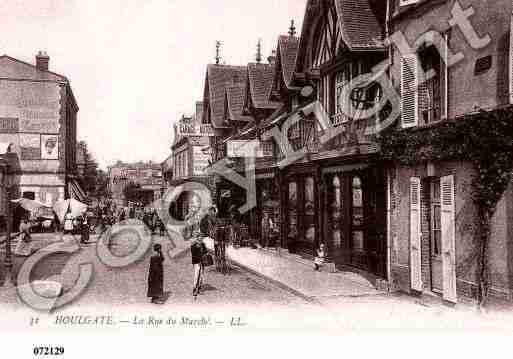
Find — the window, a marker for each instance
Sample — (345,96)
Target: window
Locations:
(430,99)
(342,78)
(436,219)
(337,212)
(357,211)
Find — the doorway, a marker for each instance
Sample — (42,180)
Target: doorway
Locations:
(301,218)
(435,236)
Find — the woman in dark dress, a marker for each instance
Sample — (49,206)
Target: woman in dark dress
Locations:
(156,276)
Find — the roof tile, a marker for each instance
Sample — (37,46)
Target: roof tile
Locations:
(220,77)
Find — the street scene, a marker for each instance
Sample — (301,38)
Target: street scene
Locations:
(355,163)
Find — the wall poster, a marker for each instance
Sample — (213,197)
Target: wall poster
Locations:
(50,147)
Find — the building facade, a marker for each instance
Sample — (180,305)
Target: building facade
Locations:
(38,119)
(435,234)
(148,176)
(190,161)
(377,130)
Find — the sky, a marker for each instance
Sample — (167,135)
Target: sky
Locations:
(136,66)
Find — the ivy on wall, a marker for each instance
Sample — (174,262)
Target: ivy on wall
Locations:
(486,140)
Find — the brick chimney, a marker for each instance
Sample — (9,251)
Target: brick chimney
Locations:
(42,61)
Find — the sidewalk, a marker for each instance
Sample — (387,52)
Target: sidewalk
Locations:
(298,277)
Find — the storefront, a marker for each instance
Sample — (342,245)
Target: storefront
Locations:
(301,227)
(268,202)
(354,216)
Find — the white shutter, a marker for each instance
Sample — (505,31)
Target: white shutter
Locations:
(511,60)
(415,235)
(409,91)
(448,238)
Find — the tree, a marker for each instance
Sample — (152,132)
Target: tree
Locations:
(94,180)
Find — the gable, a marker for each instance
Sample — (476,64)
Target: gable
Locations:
(16,69)
(332,26)
(327,38)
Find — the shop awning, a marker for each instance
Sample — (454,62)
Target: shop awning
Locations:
(76,192)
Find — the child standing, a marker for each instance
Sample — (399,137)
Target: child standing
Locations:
(321,257)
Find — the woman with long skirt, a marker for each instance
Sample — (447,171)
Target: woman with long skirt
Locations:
(156,276)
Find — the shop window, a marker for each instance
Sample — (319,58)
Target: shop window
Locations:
(357,214)
(337,203)
(337,212)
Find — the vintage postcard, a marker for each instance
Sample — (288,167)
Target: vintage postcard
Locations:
(294,167)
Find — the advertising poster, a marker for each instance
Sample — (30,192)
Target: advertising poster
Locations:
(30,146)
(49,147)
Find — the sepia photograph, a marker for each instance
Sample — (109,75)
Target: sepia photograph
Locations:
(292,167)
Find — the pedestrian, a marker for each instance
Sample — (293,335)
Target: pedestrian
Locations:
(156,276)
(235,236)
(198,250)
(268,229)
(320,257)
(84,230)
(24,246)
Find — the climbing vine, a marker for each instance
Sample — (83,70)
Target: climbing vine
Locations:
(486,140)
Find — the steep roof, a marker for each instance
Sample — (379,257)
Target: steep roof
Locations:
(219,78)
(357,20)
(361,29)
(288,47)
(235,102)
(261,77)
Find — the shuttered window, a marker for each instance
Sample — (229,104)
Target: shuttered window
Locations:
(415,234)
(448,238)
(409,91)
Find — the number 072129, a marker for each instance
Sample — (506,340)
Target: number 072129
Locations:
(48,351)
